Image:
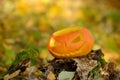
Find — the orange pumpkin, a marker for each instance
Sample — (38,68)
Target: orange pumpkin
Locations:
(71,42)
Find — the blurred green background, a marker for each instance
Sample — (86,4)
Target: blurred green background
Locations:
(29,23)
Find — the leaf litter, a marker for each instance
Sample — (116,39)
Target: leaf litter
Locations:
(89,67)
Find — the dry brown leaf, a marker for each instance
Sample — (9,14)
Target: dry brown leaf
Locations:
(51,76)
(84,66)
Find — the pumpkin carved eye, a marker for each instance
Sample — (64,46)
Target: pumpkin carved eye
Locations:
(70,42)
(76,39)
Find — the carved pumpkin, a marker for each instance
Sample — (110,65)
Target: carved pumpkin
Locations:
(71,42)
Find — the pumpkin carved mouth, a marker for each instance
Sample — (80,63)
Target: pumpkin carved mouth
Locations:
(70,42)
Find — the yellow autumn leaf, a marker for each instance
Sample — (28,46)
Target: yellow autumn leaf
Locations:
(22,7)
(43,54)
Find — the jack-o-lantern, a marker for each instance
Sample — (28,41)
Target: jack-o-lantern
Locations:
(71,42)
